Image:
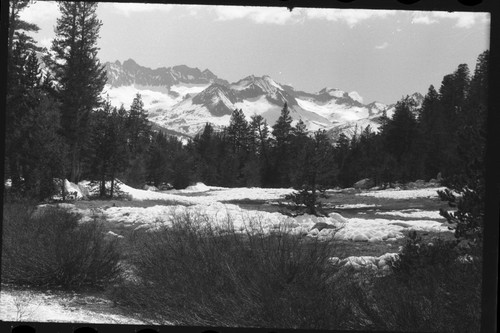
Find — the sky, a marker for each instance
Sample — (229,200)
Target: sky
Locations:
(381,54)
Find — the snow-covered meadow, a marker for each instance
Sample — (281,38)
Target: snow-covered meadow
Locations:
(370,225)
(211,204)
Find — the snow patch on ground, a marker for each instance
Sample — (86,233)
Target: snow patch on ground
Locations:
(352,206)
(224,215)
(413,213)
(404,194)
(30,305)
(209,207)
(198,187)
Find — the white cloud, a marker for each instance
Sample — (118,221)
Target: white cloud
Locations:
(422,18)
(349,16)
(281,15)
(40,11)
(128,9)
(382,46)
(272,15)
(463,19)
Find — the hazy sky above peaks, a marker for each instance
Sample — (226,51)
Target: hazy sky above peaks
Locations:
(381,54)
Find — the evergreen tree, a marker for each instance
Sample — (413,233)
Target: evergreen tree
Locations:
(79,73)
(138,137)
(282,129)
(453,93)
(431,135)
(18,28)
(317,170)
(33,148)
(157,163)
(107,153)
(205,152)
(282,132)
(342,152)
(261,147)
(238,132)
(466,187)
(399,134)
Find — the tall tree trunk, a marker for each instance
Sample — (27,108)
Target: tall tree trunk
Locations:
(112,184)
(102,188)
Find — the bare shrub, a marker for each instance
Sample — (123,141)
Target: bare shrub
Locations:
(50,247)
(196,273)
(25,305)
(428,290)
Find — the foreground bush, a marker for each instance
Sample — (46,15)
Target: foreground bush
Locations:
(431,288)
(48,246)
(193,273)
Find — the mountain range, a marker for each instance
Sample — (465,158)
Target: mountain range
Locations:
(182,100)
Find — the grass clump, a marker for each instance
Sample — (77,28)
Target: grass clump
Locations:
(48,246)
(194,273)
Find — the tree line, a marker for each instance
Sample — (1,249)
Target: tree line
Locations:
(59,127)
(443,135)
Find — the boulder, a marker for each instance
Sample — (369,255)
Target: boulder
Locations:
(322,225)
(165,187)
(439,177)
(334,260)
(84,189)
(364,184)
(360,238)
(337,218)
(150,188)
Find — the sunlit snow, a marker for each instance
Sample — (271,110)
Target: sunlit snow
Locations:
(404,194)
(210,204)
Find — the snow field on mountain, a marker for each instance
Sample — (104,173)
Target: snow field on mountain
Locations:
(152,100)
(355,96)
(184,89)
(188,118)
(333,111)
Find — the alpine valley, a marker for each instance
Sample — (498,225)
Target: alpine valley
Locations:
(181,100)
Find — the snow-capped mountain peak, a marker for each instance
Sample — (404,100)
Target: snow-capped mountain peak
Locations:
(218,99)
(334,92)
(184,99)
(355,96)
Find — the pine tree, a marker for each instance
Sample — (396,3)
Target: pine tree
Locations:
(399,134)
(107,153)
(466,187)
(317,170)
(18,28)
(138,127)
(431,134)
(138,136)
(261,147)
(158,159)
(453,94)
(238,132)
(204,150)
(34,149)
(282,129)
(79,73)
(282,132)
(22,78)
